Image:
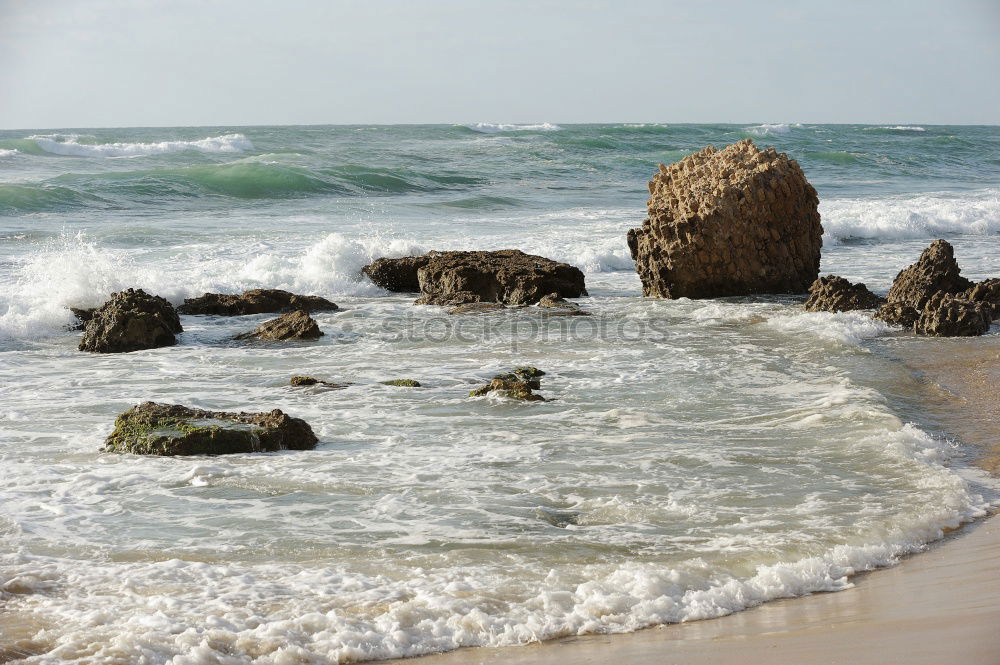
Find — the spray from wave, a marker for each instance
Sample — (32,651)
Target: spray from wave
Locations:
(70,145)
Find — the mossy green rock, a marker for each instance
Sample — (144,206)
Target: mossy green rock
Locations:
(402,383)
(529,372)
(516,389)
(170,429)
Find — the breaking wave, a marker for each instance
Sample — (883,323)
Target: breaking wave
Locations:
(770,129)
(912,216)
(493,127)
(71,145)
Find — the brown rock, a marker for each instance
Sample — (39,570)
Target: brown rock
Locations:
(131,320)
(506,276)
(733,222)
(553,305)
(170,429)
(836,294)
(287,327)
(396,274)
(986,292)
(945,315)
(898,314)
(254,301)
(82,316)
(936,270)
(312,381)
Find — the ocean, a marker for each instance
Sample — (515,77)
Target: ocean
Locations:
(695,458)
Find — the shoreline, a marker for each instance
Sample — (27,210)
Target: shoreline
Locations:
(933,607)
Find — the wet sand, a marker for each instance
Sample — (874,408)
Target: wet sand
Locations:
(940,607)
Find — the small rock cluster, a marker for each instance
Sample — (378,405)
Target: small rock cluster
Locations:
(932,298)
(929,297)
(734,222)
(518,384)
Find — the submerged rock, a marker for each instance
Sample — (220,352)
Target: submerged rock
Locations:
(507,276)
(254,301)
(311,381)
(946,315)
(515,385)
(475,308)
(171,429)
(131,320)
(553,305)
(836,294)
(514,389)
(402,383)
(294,326)
(733,222)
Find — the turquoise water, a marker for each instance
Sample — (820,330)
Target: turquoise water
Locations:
(696,457)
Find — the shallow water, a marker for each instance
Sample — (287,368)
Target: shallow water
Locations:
(696,457)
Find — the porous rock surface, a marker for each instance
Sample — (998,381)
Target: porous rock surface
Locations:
(836,294)
(946,315)
(294,326)
(931,297)
(507,276)
(730,222)
(254,301)
(131,320)
(518,384)
(170,429)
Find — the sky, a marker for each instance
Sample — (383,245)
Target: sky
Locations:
(117,63)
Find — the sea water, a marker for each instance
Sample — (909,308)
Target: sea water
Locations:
(695,458)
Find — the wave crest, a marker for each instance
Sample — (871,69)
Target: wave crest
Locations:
(494,127)
(70,145)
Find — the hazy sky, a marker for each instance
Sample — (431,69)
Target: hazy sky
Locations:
(102,63)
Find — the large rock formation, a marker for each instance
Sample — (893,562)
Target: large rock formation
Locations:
(131,320)
(506,276)
(294,326)
(725,223)
(936,270)
(836,294)
(254,301)
(169,429)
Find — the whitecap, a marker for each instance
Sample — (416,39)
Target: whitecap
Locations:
(494,127)
(69,145)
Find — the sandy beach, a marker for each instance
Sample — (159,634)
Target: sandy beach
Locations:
(938,607)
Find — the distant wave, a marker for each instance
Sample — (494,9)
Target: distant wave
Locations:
(898,128)
(70,145)
(777,128)
(912,216)
(493,128)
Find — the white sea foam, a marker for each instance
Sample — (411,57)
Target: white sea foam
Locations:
(63,144)
(194,612)
(75,271)
(912,216)
(494,127)
(8,153)
(769,129)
